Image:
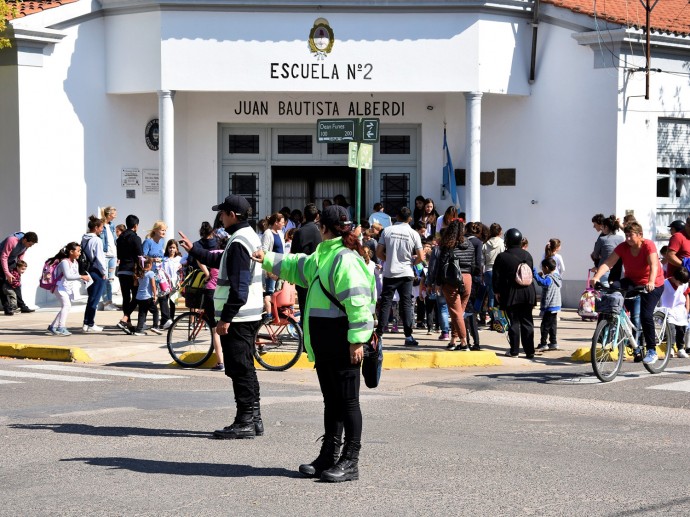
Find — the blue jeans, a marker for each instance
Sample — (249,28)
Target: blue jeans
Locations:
(443,312)
(108,296)
(95,291)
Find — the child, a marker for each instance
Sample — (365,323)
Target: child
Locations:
(119,229)
(67,273)
(550,282)
(553,250)
(172,264)
(675,299)
(664,261)
(11,288)
(147,296)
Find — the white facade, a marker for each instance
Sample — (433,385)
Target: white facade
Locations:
(84,80)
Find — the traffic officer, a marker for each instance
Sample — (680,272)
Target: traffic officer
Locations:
(238,302)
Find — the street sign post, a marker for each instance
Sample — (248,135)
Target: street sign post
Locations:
(370,130)
(336,130)
(360,133)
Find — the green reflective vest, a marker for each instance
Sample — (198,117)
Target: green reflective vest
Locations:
(345,275)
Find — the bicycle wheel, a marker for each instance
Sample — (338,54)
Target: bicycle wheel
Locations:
(189,340)
(278,347)
(606,354)
(664,343)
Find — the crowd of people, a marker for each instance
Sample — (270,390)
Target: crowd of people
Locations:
(425,271)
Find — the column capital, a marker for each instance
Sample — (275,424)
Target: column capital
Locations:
(165,93)
(473,95)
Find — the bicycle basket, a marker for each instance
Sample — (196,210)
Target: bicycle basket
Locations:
(194,297)
(610,303)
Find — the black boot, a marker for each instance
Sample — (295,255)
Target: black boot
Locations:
(242,427)
(328,456)
(258,423)
(346,469)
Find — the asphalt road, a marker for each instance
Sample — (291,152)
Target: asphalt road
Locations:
(80,440)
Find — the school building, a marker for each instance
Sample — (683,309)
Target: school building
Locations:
(162,107)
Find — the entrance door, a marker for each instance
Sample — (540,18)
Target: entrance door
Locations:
(295,186)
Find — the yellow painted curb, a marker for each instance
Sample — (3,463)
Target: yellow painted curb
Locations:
(584,354)
(391,360)
(46,352)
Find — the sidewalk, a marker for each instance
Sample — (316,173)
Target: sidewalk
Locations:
(26,336)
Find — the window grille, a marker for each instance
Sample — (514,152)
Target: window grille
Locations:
(246,184)
(243,144)
(394,144)
(395,192)
(295,144)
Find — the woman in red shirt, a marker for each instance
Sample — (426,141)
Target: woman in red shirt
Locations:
(642,268)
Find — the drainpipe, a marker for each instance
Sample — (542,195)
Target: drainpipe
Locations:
(535,24)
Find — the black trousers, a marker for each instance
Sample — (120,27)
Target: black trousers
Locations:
(521,328)
(129,294)
(17,292)
(678,331)
(238,351)
(404,288)
(339,379)
(301,298)
(549,326)
(471,327)
(146,306)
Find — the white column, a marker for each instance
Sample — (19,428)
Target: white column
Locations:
(473,109)
(166,158)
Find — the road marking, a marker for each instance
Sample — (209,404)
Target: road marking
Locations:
(98,371)
(45,376)
(672,386)
(3,381)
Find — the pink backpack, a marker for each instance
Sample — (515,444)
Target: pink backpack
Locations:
(49,275)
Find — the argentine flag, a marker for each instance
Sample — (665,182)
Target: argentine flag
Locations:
(448,172)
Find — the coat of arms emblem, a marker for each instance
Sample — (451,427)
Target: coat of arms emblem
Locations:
(321,39)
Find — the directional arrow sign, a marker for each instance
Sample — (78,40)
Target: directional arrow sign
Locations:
(370,130)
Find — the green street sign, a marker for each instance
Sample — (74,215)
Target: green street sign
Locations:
(369,130)
(336,130)
(352,155)
(365,156)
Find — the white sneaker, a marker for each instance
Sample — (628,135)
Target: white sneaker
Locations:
(93,328)
(682,353)
(673,353)
(110,307)
(167,325)
(156,330)
(84,328)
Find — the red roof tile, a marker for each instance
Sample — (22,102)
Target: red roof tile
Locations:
(28,7)
(667,15)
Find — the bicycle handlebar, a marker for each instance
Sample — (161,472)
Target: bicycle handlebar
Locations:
(627,293)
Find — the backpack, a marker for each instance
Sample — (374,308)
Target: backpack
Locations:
(84,262)
(449,272)
(163,283)
(49,275)
(524,275)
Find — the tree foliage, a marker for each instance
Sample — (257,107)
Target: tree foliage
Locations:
(7,11)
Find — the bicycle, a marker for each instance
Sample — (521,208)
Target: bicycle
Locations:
(615,335)
(189,340)
(279,341)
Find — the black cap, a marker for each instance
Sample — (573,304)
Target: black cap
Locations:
(334,216)
(234,203)
(677,225)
